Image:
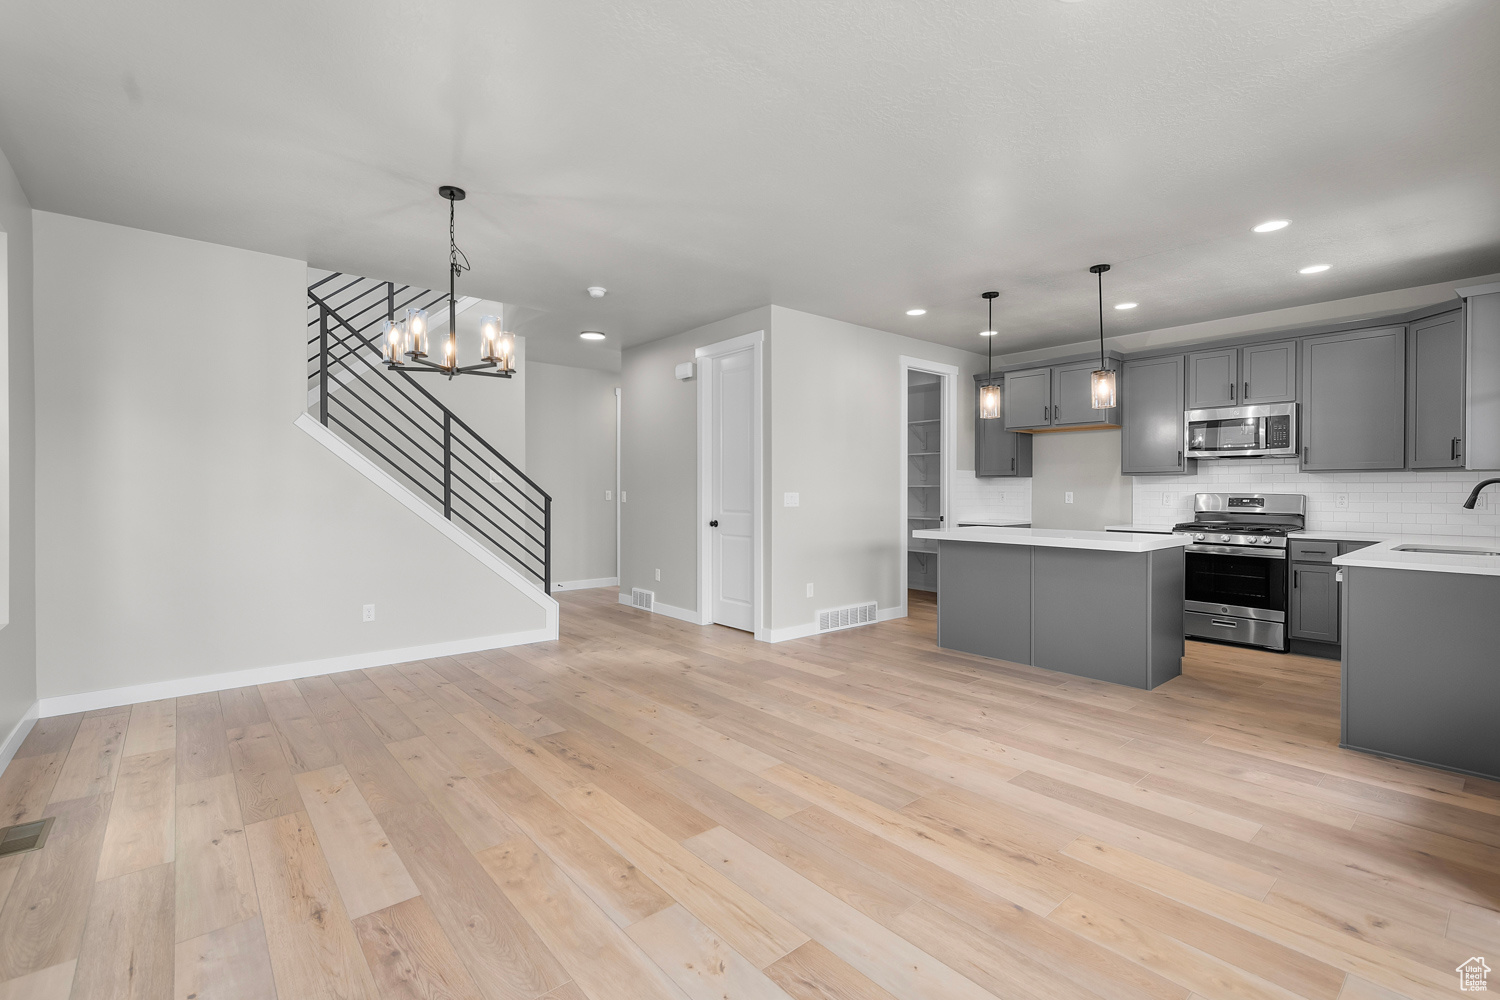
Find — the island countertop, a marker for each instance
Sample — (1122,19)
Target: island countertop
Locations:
(1058,538)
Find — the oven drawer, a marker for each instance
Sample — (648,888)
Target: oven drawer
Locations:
(1304,550)
(1228,628)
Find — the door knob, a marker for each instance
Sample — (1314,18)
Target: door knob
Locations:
(713,524)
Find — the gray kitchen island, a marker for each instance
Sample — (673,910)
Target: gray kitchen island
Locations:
(1106,605)
(1421,652)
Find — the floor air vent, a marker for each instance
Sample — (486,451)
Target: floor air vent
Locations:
(855,614)
(25,837)
(644,599)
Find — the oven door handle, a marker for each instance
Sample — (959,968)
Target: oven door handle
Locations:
(1236,550)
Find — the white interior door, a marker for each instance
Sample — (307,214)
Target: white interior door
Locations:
(732,488)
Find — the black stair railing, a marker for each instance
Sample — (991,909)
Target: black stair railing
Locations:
(405,428)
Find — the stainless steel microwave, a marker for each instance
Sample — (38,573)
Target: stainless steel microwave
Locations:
(1265,431)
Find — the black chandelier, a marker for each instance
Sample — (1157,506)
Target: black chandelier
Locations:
(405,344)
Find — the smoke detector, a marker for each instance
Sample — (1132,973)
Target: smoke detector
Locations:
(596,292)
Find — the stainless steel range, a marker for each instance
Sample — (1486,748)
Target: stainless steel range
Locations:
(1236,584)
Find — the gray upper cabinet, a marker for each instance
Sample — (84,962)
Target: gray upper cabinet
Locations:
(1354,401)
(1261,373)
(1027,401)
(1211,378)
(1073,396)
(997,451)
(1268,373)
(1435,392)
(1151,405)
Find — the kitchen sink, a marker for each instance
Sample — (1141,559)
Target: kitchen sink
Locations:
(1447,550)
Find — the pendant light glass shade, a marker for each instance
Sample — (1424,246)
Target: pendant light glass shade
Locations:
(1102,389)
(392,341)
(416,333)
(497,346)
(1102,380)
(989,395)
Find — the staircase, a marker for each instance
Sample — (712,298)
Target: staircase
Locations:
(387,419)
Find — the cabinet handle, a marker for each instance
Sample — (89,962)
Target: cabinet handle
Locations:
(1294,579)
(1179,459)
(1054,411)
(1246,394)
(1012,465)
(1453,451)
(1231,392)
(1045,410)
(1305,450)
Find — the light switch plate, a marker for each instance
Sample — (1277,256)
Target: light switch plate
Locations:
(791,499)
(809,590)
(609,495)
(1068,497)
(658,576)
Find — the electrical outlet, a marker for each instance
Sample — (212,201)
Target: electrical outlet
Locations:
(791,499)
(609,495)
(1482,503)
(809,590)
(1169,499)
(1068,497)
(369,615)
(658,576)
(999,497)
(1341,501)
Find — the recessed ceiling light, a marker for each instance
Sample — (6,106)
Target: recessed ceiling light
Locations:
(1126,305)
(916,312)
(988,333)
(596,291)
(1272,226)
(1314,269)
(591,335)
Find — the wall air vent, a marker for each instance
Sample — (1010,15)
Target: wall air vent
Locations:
(837,618)
(25,837)
(643,599)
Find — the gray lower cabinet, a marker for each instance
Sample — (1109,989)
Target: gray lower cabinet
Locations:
(997,451)
(1354,401)
(1151,417)
(1315,602)
(1027,401)
(1212,377)
(1435,392)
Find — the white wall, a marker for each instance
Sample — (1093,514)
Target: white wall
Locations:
(17,461)
(1087,464)
(185,526)
(659,464)
(570,444)
(836,439)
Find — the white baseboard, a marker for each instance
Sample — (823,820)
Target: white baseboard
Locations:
(594,584)
(202,684)
(811,628)
(681,614)
(17,735)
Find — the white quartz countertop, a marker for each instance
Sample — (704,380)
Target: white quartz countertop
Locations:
(1059,538)
(1330,535)
(1386,555)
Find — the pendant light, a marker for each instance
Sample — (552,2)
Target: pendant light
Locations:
(1102,381)
(989,395)
(406,345)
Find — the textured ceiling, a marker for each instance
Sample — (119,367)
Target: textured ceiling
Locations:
(852,158)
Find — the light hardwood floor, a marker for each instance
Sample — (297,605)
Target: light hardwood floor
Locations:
(651,809)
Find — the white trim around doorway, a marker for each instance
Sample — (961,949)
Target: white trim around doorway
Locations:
(756,341)
(950,375)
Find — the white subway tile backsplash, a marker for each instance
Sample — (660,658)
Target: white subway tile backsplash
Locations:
(1001,500)
(1400,502)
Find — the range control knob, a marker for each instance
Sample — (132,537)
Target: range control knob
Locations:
(1223,538)
(1199,536)
(1265,539)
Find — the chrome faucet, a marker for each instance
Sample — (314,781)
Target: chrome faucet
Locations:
(1474,497)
